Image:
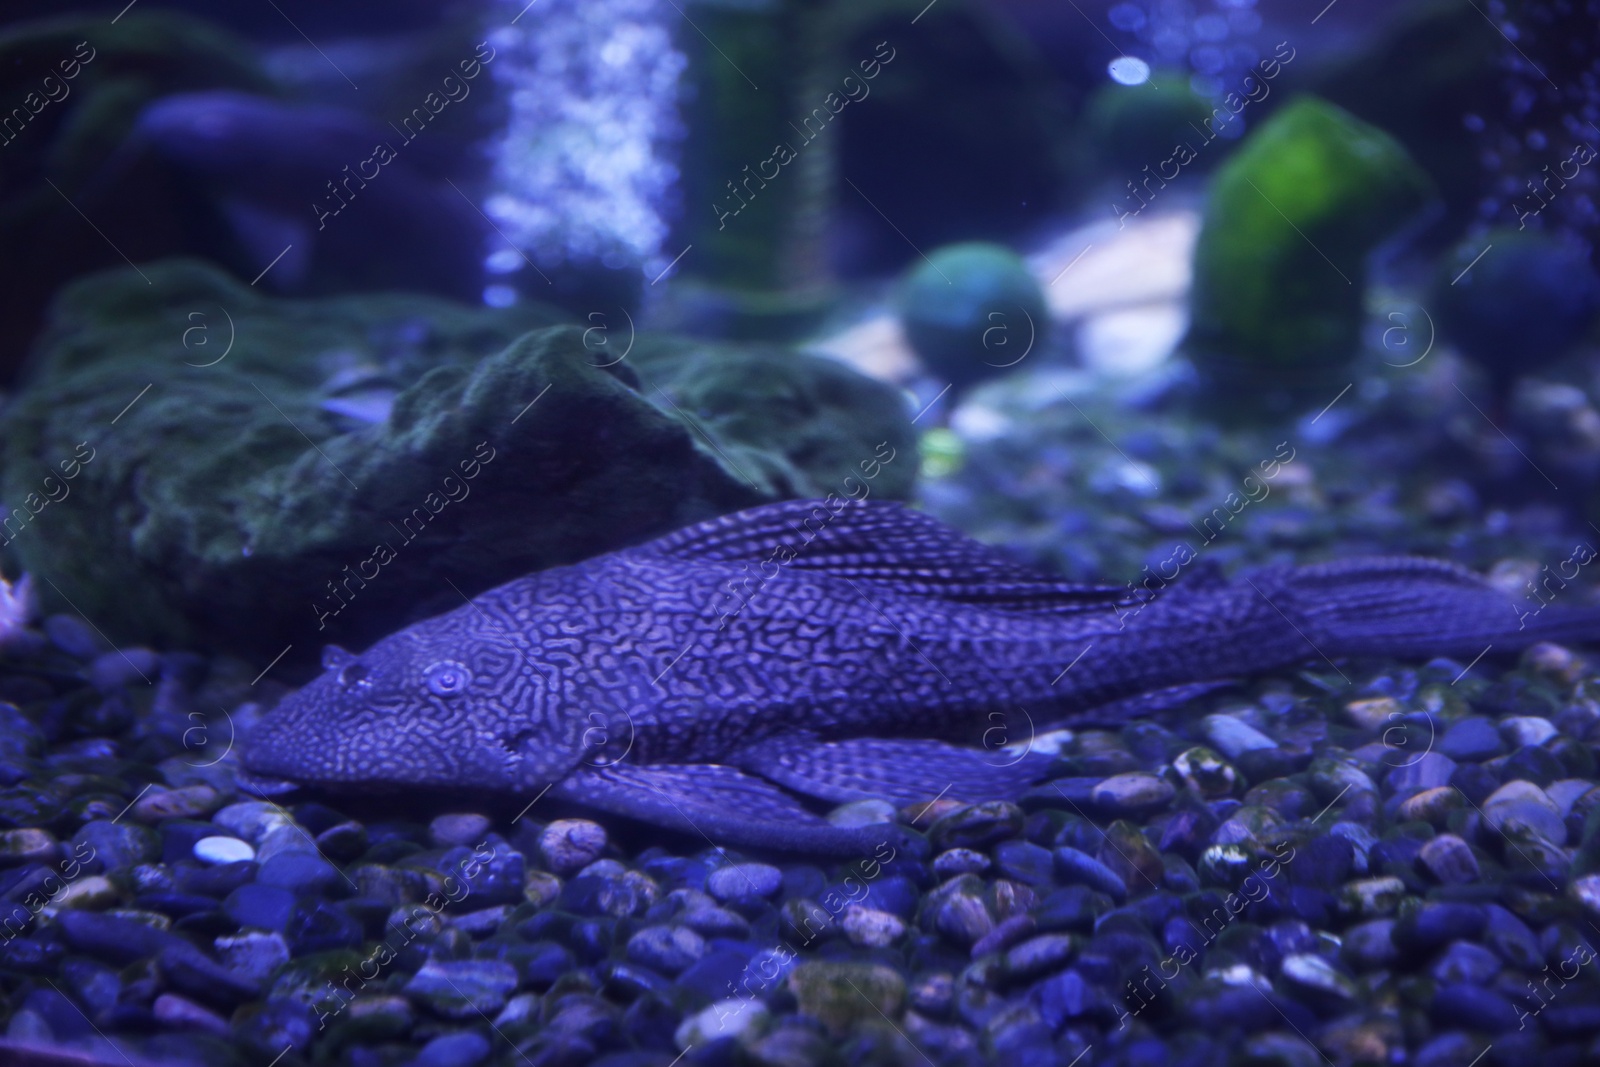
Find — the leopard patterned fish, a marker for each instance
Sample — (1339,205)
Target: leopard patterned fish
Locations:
(834,651)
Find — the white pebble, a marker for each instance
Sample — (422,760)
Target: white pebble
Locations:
(1234,736)
(222,850)
(1524,730)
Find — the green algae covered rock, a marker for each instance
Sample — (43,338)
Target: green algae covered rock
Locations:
(1278,268)
(972,311)
(249,473)
(843,995)
(792,425)
(1131,127)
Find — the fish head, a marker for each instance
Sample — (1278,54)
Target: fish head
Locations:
(451,702)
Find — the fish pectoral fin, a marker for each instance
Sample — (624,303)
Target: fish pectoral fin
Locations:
(902,770)
(709,800)
(886,546)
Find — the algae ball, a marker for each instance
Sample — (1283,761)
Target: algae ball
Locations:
(1522,305)
(972,311)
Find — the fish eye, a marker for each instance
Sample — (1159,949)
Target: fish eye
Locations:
(447,678)
(352,674)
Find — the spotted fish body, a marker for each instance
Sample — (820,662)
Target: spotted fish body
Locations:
(837,651)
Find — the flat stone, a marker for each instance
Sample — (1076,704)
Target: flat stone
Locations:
(540,888)
(252,955)
(1413,773)
(250,819)
(465,1048)
(1372,897)
(1469,1007)
(117,845)
(463,989)
(1080,868)
(740,1019)
(1524,730)
(569,845)
(192,973)
(261,907)
(117,938)
(1233,736)
(843,995)
(1449,859)
(480,923)
(1586,891)
(180,1013)
(94,892)
(977,825)
(1313,974)
(1007,932)
(1472,739)
(1431,805)
(522,1008)
(1374,713)
(74,636)
(1521,803)
(1369,946)
(189,802)
(1566,793)
(871,928)
(28,845)
(458,830)
(113,670)
(956,861)
(668,949)
(1040,955)
(744,880)
(1133,794)
(299,872)
(1206,772)
(1463,961)
(1025,862)
(1437,923)
(219,850)
(959,911)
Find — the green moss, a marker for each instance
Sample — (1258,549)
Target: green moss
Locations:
(238,502)
(1134,126)
(843,995)
(1279,273)
(972,311)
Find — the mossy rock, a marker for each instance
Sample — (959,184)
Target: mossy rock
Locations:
(1516,301)
(972,311)
(1427,66)
(1279,270)
(237,501)
(844,995)
(1131,127)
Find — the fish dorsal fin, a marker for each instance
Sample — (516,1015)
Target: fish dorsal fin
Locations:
(886,544)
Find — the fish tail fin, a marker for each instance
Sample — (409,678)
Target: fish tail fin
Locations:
(1414,607)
